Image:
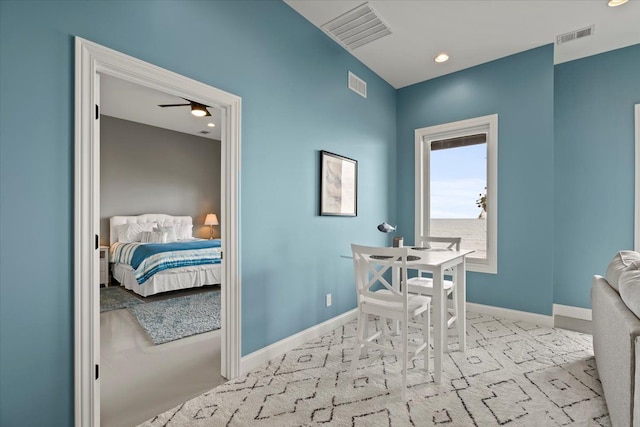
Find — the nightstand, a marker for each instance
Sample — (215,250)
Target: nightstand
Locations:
(104,266)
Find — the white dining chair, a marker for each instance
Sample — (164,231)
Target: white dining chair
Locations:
(379,298)
(423,285)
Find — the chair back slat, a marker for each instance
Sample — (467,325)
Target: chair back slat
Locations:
(373,274)
(451,243)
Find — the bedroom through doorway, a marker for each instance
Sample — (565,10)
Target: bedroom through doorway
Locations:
(160,180)
(93,246)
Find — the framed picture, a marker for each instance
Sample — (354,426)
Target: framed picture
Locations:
(338,185)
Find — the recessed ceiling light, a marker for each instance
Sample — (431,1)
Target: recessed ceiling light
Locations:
(442,57)
(614,3)
(211,125)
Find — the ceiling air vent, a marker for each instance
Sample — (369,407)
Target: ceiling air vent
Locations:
(357,85)
(356,27)
(575,35)
(204,132)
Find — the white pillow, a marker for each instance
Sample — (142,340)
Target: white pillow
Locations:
(629,284)
(154,237)
(183,232)
(622,261)
(171,233)
(128,233)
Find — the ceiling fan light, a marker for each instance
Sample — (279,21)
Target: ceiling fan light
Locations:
(198,110)
(614,3)
(442,57)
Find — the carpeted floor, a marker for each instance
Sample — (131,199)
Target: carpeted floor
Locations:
(115,298)
(174,318)
(513,373)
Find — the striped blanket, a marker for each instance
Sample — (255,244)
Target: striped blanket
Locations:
(147,259)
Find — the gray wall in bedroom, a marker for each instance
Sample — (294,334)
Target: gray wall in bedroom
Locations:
(146,169)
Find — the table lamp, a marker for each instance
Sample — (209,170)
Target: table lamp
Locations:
(386,228)
(211,220)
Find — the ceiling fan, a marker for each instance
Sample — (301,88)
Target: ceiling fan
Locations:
(197,109)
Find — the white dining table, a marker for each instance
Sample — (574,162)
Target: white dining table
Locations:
(437,261)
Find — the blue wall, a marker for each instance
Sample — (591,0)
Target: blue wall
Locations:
(594,172)
(519,88)
(295,102)
(292,80)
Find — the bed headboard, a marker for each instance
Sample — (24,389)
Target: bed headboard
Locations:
(161,219)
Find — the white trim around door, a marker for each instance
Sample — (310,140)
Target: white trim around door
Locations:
(636,224)
(91,60)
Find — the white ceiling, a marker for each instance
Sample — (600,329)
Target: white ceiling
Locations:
(129,101)
(470,31)
(476,31)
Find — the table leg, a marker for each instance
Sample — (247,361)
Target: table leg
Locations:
(461,289)
(439,322)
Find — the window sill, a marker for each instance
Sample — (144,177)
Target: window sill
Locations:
(481,266)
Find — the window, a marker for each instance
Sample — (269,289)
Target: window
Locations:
(456,186)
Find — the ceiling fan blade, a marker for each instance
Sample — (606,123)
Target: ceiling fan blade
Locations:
(191,104)
(197,103)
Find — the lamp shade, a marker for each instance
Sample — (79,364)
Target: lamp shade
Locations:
(386,228)
(211,219)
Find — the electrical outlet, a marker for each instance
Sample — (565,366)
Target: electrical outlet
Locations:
(328,300)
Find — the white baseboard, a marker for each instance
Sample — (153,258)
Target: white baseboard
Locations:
(538,319)
(259,357)
(571,311)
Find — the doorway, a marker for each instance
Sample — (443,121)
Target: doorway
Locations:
(93,60)
(637,172)
(159,339)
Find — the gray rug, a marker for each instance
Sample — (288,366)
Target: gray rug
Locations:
(115,298)
(174,318)
(513,373)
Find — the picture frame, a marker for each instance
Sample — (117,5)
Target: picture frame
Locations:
(338,185)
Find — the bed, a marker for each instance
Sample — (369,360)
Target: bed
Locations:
(161,274)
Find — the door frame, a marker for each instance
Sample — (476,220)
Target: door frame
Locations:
(91,60)
(636,224)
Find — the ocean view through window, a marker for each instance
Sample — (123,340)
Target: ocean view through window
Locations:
(458,182)
(456,186)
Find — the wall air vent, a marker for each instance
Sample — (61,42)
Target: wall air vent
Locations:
(356,27)
(357,85)
(575,35)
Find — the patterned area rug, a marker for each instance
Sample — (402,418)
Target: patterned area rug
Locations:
(513,373)
(115,298)
(174,318)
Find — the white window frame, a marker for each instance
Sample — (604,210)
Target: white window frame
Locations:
(423,139)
